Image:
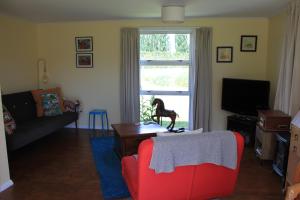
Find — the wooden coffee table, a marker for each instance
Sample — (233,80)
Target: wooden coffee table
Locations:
(129,136)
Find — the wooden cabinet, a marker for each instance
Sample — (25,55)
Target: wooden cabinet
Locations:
(265,144)
(273,120)
(269,123)
(294,155)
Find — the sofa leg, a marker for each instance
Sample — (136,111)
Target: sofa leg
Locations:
(76,125)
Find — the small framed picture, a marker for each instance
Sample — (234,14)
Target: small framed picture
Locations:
(224,54)
(248,43)
(84,43)
(84,60)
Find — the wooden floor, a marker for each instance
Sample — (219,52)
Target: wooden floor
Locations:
(60,167)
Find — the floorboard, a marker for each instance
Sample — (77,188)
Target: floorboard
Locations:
(60,167)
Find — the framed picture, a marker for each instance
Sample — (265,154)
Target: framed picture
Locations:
(84,43)
(224,54)
(84,60)
(248,43)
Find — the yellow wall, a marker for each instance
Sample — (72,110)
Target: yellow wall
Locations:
(99,87)
(18,54)
(4,171)
(276,35)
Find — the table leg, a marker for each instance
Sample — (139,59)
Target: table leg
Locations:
(117,147)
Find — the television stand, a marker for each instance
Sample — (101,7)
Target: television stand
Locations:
(245,125)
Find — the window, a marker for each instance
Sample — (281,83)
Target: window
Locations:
(164,73)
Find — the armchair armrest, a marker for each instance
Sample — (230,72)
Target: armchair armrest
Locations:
(292,192)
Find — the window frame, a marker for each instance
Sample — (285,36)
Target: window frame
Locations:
(168,62)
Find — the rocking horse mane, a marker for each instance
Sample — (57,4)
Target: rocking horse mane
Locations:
(159,103)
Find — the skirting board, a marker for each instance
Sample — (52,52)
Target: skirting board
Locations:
(6,185)
(84,127)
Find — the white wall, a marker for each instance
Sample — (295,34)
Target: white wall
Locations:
(4,170)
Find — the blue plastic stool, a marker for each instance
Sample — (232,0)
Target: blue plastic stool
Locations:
(102,113)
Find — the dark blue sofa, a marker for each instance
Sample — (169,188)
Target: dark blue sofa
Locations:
(29,127)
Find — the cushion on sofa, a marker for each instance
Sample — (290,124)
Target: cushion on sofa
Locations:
(50,104)
(21,106)
(37,96)
(9,122)
(70,106)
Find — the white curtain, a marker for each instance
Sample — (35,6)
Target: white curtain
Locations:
(202,80)
(130,85)
(288,89)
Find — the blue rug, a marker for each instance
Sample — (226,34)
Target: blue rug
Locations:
(109,168)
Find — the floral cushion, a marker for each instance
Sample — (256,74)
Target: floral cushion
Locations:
(9,122)
(50,103)
(37,96)
(70,106)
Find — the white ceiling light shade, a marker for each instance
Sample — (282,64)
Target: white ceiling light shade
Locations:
(172,14)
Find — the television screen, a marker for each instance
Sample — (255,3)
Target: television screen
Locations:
(245,97)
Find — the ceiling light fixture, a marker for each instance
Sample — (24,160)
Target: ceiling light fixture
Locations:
(172,14)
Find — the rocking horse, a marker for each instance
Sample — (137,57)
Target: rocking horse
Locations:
(162,112)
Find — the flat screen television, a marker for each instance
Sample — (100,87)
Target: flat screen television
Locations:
(245,97)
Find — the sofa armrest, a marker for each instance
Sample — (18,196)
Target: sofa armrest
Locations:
(130,174)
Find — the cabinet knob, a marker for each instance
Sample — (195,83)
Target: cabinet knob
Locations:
(294,148)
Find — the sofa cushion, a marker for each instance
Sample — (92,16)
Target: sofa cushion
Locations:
(21,106)
(70,106)
(50,104)
(37,128)
(9,122)
(37,96)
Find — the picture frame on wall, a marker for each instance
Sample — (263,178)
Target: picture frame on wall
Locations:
(84,44)
(84,60)
(224,54)
(248,43)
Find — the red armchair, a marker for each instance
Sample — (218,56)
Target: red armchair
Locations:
(203,181)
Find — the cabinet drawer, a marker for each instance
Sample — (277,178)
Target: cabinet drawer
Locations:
(295,139)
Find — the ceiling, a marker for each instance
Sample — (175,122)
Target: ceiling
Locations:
(73,10)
